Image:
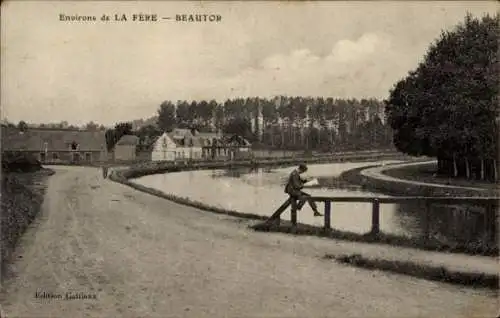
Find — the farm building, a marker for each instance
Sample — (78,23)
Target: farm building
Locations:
(126,148)
(51,145)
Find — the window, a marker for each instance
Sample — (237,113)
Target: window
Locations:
(88,156)
(74,146)
(42,156)
(55,156)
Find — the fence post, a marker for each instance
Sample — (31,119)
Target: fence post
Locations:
(375,217)
(490,223)
(327,215)
(294,212)
(427,219)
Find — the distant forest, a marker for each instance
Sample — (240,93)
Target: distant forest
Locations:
(286,122)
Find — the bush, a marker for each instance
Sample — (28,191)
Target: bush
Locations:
(13,161)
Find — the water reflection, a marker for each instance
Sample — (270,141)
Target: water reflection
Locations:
(463,224)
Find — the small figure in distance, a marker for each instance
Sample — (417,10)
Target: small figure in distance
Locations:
(104,170)
(294,189)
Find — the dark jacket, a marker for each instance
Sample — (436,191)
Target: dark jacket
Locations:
(295,183)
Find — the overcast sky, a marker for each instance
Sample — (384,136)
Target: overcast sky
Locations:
(109,72)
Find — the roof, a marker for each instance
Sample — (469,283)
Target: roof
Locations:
(179,133)
(34,139)
(238,140)
(209,135)
(189,140)
(128,140)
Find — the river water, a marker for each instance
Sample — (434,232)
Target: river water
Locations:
(260,191)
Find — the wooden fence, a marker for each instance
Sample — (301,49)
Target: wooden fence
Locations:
(490,217)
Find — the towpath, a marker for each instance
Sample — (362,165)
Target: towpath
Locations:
(377,173)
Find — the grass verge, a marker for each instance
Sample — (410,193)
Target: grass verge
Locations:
(21,201)
(434,273)
(427,173)
(394,188)
(380,238)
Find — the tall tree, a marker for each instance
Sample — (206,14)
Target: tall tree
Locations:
(22,125)
(219,117)
(91,126)
(147,134)
(110,139)
(166,116)
(182,114)
(448,105)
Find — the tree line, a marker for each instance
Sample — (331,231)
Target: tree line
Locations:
(23,125)
(448,106)
(287,122)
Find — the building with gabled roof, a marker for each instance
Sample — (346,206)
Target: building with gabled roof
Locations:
(52,145)
(125,148)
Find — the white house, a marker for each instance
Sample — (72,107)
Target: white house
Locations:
(164,148)
(177,145)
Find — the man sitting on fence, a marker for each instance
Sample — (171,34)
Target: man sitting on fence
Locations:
(294,189)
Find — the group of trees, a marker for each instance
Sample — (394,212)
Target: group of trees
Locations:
(22,125)
(448,107)
(114,134)
(287,122)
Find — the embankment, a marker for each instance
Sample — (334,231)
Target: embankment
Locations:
(22,195)
(394,188)
(429,244)
(140,169)
(429,272)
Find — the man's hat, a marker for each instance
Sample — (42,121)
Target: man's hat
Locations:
(303,167)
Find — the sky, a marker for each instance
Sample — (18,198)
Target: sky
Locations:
(113,71)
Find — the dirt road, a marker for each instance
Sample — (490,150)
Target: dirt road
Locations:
(142,256)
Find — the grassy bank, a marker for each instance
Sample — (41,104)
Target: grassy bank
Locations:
(427,173)
(393,188)
(21,200)
(434,273)
(147,168)
(429,244)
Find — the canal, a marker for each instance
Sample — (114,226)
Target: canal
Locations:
(260,191)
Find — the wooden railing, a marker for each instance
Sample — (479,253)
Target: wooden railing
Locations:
(488,202)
